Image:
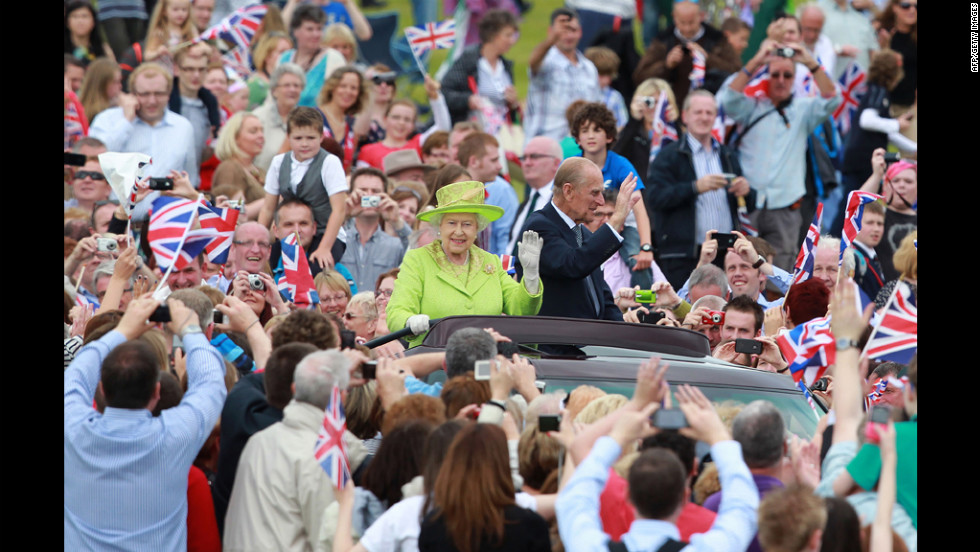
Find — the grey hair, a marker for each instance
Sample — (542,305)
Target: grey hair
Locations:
(544,404)
(365,303)
(417,235)
(316,375)
(712,302)
(284,68)
(701,92)
(435,220)
(465,347)
(706,275)
(831,243)
(760,429)
(105,268)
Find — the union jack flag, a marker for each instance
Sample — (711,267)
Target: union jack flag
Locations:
(853,88)
(809,397)
(76,126)
(878,390)
(223,221)
(809,349)
(803,269)
(662,128)
(896,336)
(743,219)
(758,85)
(296,279)
(330,450)
(238,28)
(85,297)
(436,35)
(508,262)
(171,239)
(698,70)
(722,122)
(856,200)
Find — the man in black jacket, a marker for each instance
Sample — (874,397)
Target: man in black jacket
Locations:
(572,257)
(694,185)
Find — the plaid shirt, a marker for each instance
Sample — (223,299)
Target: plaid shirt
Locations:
(557,84)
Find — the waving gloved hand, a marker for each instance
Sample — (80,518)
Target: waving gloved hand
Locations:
(529,253)
(418,323)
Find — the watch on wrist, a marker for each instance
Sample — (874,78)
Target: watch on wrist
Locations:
(189,329)
(844,343)
(759,262)
(646,247)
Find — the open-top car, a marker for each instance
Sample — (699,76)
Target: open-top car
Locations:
(569,352)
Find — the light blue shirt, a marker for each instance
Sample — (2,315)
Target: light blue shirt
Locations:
(125,472)
(773,157)
(414,385)
(501,194)
(577,507)
(170,143)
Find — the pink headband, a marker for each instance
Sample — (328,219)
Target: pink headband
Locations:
(236,86)
(899,167)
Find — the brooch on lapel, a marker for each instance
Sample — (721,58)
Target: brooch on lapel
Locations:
(488,269)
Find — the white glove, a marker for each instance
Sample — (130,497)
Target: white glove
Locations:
(418,323)
(529,253)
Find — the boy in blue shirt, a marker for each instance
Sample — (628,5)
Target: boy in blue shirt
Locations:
(594,128)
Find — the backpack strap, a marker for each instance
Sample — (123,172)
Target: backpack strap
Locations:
(616,546)
(672,546)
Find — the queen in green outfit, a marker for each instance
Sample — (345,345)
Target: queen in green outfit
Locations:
(452,276)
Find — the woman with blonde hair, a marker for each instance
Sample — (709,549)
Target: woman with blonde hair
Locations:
(100,87)
(636,141)
(333,290)
(239,142)
(266,58)
(342,97)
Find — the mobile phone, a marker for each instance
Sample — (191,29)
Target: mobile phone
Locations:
(161,183)
(880,414)
(651,317)
(892,157)
(548,422)
(748,346)
(161,314)
(481,370)
(729,177)
(74,159)
(217,317)
(177,344)
(645,296)
(369,369)
(668,418)
(725,242)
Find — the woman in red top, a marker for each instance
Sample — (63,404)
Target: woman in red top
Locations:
(400,121)
(343,95)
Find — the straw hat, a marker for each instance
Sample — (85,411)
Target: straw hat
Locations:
(463,197)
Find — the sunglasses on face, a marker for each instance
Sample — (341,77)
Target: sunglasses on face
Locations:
(81,175)
(908,5)
(386,78)
(785,75)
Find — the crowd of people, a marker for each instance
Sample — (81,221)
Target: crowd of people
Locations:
(695,169)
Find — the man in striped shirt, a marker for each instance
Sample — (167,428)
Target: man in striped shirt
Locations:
(694,184)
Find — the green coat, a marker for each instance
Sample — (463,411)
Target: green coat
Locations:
(424,287)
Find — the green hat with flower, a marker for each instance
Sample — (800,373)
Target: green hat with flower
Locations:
(463,197)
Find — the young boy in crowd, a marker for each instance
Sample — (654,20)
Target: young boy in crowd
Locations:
(594,128)
(311,174)
(737,34)
(867,272)
(607,63)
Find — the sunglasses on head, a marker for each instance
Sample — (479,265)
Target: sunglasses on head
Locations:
(908,5)
(81,175)
(387,78)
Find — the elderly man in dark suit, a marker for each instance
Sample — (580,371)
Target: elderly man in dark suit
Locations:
(572,255)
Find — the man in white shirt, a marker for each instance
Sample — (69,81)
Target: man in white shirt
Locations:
(542,156)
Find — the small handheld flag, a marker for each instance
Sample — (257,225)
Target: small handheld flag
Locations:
(297,280)
(330,450)
(803,269)
(853,214)
(809,349)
